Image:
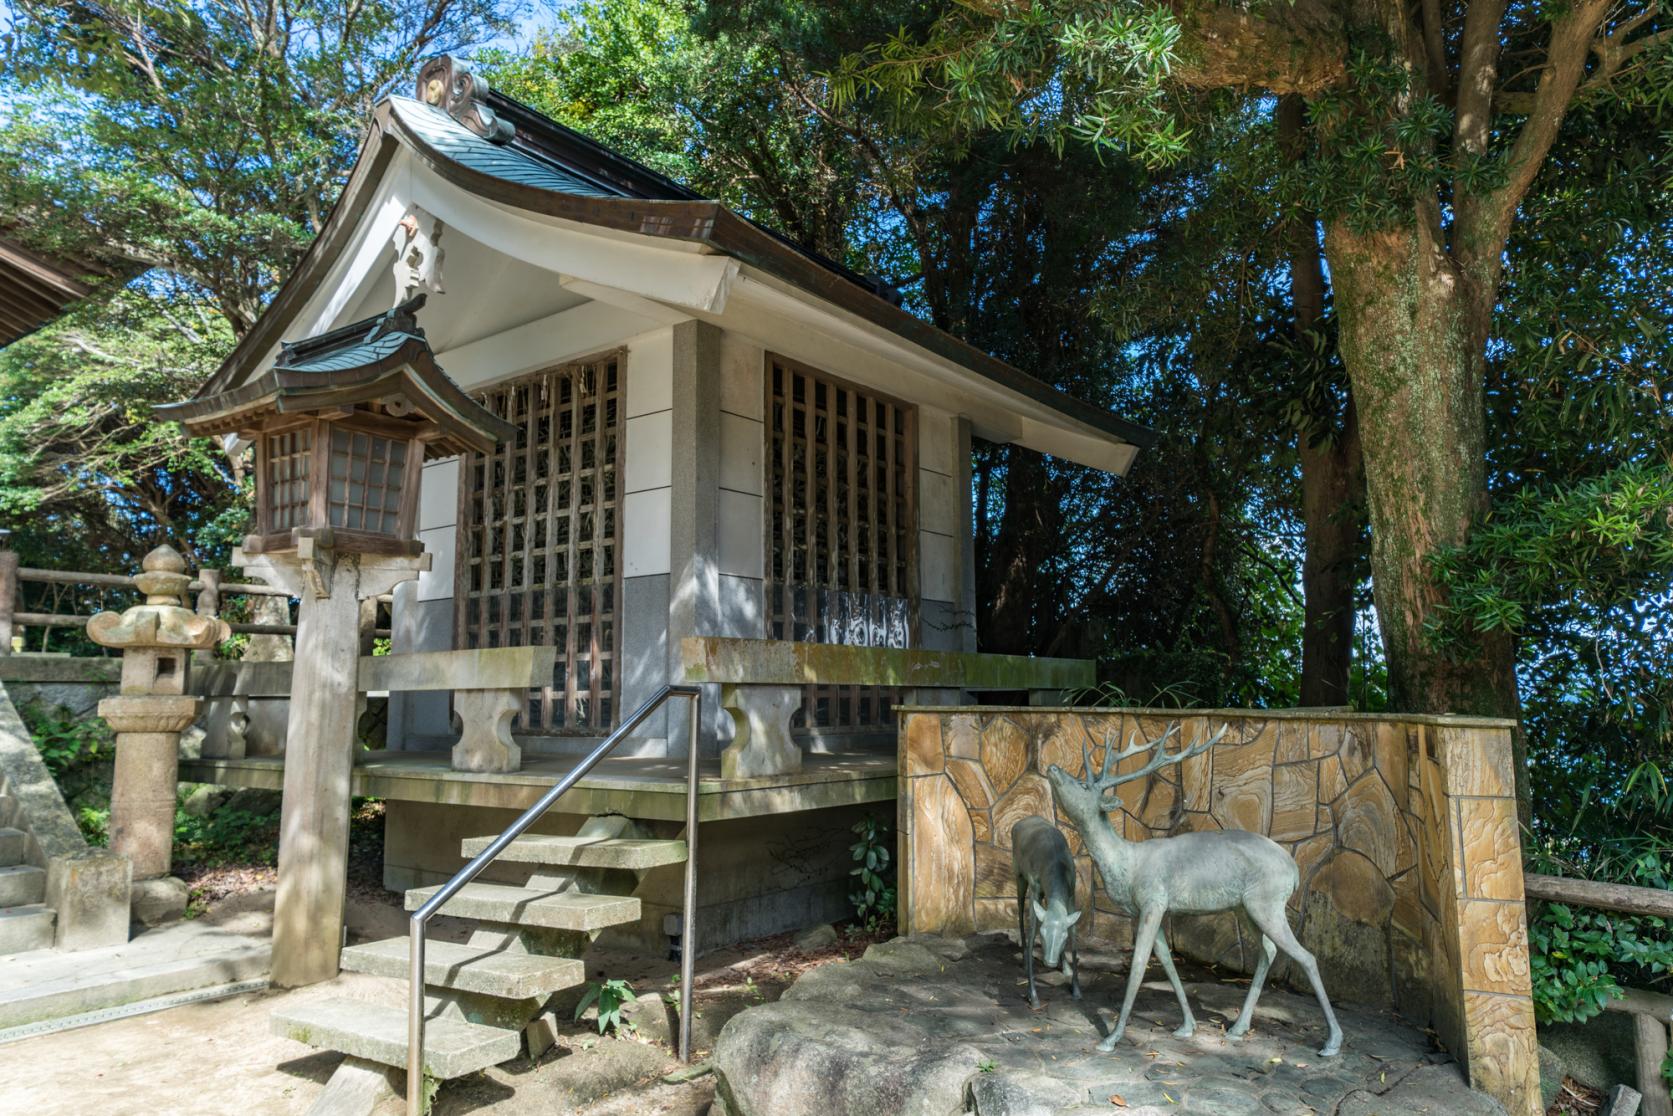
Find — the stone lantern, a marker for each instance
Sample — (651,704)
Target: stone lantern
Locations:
(149,712)
(341,425)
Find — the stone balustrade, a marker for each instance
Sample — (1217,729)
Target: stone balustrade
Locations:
(761,685)
(490,687)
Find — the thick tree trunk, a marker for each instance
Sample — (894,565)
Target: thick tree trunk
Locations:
(1332,473)
(1413,338)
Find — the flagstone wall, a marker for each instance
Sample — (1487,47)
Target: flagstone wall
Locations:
(1404,829)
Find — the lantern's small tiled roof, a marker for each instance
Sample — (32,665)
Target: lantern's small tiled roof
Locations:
(369,341)
(370,362)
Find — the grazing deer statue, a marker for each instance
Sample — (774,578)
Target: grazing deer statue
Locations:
(1045,899)
(1193,873)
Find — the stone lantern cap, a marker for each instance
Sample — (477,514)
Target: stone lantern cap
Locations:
(162,622)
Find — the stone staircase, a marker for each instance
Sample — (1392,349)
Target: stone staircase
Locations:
(484,994)
(26,923)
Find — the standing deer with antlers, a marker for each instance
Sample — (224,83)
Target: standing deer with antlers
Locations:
(1193,873)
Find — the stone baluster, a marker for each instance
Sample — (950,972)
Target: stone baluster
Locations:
(156,639)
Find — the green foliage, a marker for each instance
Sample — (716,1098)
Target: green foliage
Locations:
(227,835)
(67,743)
(79,751)
(874,891)
(1050,71)
(1592,546)
(609,995)
(192,153)
(1582,958)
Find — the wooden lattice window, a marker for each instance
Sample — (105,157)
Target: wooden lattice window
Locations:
(366,479)
(841,528)
(540,539)
(288,453)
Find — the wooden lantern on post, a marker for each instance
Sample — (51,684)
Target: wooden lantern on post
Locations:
(341,424)
(348,475)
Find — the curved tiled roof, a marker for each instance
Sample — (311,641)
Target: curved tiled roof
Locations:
(452,139)
(542,167)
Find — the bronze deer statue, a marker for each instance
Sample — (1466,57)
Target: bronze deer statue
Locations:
(1192,873)
(1045,899)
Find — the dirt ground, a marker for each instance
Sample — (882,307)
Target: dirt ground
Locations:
(219,1057)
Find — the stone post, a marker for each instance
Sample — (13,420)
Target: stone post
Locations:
(8,590)
(319,745)
(156,639)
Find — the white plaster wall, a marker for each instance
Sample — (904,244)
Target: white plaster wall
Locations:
(438,513)
(647,487)
(938,509)
(738,533)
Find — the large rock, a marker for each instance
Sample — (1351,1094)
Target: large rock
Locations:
(939,1027)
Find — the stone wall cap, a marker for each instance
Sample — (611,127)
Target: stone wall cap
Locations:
(1444,720)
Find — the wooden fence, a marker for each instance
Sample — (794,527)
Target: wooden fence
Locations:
(210,589)
(1652,1012)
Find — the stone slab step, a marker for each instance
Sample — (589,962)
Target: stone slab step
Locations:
(378,1033)
(184,957)
(491,970)
(524,906)
(14,846)
(25,928)
(584,852)
(20,884)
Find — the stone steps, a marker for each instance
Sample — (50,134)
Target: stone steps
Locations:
(378,1033)
(26,927)
(14,846)
(527,950)
(21,884)
(627,853)
(533,906)
(490,970)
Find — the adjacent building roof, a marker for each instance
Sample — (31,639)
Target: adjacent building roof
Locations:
(505,152)
(35,289)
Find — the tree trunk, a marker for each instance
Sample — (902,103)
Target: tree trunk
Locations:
(1332,511)
(1413,339)
(1332,473)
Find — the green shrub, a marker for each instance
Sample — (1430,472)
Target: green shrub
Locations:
(1582,957)
(79,751)
(227,835)
(68,743)
(874,891)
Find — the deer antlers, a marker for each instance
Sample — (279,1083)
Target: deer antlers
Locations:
(1160,758)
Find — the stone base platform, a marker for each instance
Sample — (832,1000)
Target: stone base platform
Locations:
(941,1027)
(47,984)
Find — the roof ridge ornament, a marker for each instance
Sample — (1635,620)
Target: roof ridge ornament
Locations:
(449,85)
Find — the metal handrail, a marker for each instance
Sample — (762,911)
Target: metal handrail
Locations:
(421,917)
